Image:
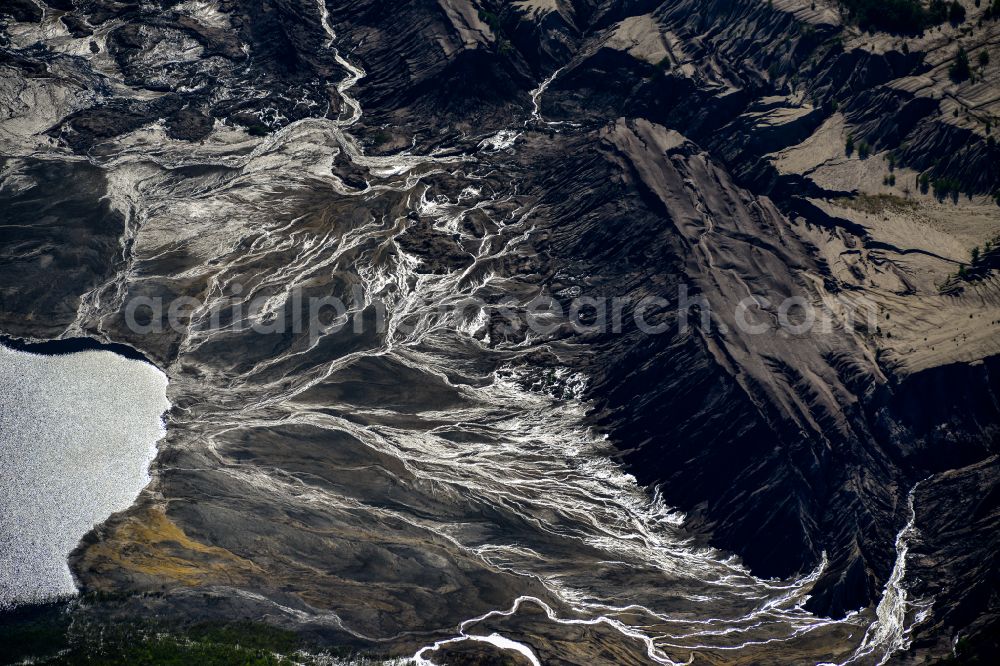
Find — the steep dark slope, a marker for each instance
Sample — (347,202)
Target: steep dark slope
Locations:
(54,249)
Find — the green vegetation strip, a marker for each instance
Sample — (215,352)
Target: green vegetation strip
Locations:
(54,634)
(902,16)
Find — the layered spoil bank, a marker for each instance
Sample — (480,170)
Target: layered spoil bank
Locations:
(77,435)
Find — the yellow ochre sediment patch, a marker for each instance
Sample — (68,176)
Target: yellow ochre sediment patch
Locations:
(151,545)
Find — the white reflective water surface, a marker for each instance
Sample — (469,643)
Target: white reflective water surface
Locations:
(77,435)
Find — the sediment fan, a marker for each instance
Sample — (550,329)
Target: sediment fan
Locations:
(477,332)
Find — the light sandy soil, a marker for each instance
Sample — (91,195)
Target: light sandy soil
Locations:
(816,13)
(465,19)
(906,245)
(640,37)
(896,247)
(895,269)
(537,7)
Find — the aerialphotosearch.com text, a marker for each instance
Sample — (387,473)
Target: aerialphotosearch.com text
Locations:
(298,312)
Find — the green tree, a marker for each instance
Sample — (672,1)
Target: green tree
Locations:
(956,13)
(898,16)
(960,70)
